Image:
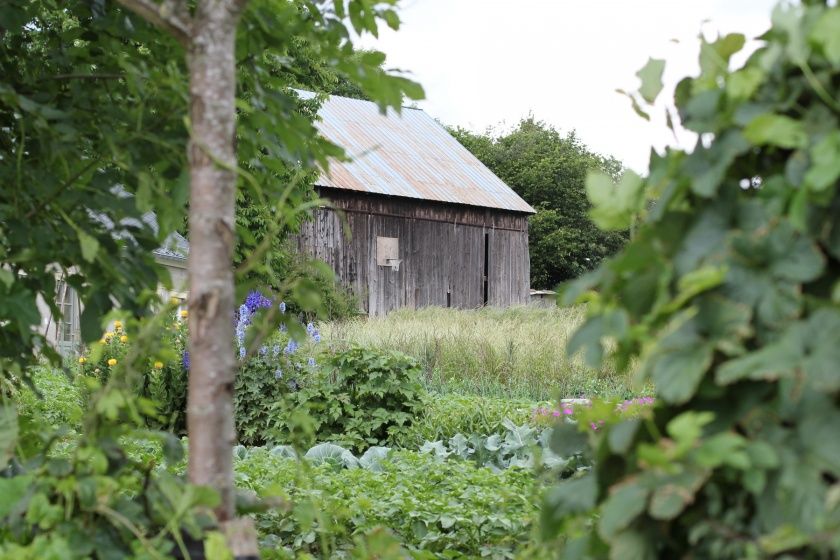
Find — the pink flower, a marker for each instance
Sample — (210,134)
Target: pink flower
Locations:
(556,413)
(567,411)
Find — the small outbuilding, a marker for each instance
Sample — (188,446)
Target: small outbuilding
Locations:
(415,219)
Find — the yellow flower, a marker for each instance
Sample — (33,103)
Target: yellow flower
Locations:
(112,362)
(158,365)
(108,336)
(184,313)
(117,324)
(82,360)
(174,301)
(123,339)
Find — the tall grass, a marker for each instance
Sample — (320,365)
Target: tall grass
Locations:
(517,352)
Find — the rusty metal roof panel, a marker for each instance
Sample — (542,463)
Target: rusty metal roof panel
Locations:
(409,155)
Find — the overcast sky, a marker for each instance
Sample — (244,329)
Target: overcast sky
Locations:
(491,62)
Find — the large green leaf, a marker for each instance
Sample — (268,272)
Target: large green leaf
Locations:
(8,433)
(623,505)
(13,490)
(679,362)
(776,130)
(826,34)
(651,77)
(825,162)
(614,205)
(775,360)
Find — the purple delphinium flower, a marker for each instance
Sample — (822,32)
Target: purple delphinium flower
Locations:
(278,373)
(241,352)
(185,360)
(310,328)
(291,346)
(311,362)
(256,300)
(282,307)
(263,350)
(275,350)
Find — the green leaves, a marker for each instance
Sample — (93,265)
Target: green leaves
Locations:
(575,495)
(730,287)
(8,433)
(615,206)
(826,34)
(825,162)
(776,130)
(89,246)
(651,77)
(624,504)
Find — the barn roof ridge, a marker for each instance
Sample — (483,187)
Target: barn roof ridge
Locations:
(409,155)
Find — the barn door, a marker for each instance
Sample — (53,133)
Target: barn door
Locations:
(486,273)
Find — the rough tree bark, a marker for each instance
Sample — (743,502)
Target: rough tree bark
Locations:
(210,422)
(208,36)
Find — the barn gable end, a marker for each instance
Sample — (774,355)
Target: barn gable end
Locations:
(429,224)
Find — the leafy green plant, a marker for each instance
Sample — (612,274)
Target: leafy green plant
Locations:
(444,415)
(729,295)
(165,381)
(362,397)
(55,398)
(436,510)
(517,446)
(72,496)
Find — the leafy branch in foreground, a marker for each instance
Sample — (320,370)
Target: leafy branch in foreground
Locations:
(728,299)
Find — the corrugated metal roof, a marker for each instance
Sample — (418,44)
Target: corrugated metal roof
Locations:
(408,155)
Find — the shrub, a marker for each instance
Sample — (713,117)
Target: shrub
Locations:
(93,496)
(165,374)
(362,397)
(281,365)
(729,294)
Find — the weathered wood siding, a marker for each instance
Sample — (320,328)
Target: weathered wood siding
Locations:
(441,247)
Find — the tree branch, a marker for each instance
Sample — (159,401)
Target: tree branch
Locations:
(171,16)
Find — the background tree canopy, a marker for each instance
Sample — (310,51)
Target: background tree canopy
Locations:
(549,171)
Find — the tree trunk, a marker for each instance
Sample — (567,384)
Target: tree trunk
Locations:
(212,158)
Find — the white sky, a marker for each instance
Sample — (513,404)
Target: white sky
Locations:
(491,62)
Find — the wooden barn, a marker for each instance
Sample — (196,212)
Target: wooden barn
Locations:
(428,223)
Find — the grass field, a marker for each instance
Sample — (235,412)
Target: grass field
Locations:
(517,352)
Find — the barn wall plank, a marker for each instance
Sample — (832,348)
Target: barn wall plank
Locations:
(441,247)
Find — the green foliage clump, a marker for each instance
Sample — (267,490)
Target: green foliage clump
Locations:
(436,510)
(55,398)
(361,397)
(444,415)
(730,295)
(265,379)
(549,171)
(67,495)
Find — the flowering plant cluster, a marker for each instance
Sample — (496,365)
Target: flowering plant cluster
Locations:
(546,416)
(283,363)
(109,352)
